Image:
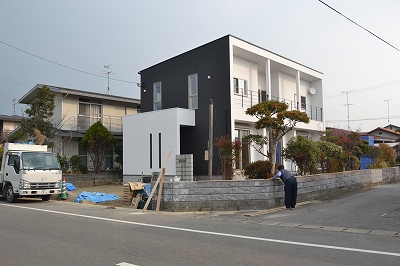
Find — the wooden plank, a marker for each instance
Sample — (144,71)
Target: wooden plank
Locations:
(156,184)
(160,190)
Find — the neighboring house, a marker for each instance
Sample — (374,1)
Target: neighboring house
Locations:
(384,135)
(8,124)
(392,127)
(75,111)
(387,135)
(234,75)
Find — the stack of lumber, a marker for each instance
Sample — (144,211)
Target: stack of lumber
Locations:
(130,191)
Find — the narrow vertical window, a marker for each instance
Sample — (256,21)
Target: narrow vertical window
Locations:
(240,86)
(303,103)
(262,96)
(151,150)
(159,150)
(236,85)
(157,96)
(193,92)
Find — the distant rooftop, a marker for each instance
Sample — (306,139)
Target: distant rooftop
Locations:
(28,97)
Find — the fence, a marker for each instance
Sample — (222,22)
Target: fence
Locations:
(250,98)
(264,194)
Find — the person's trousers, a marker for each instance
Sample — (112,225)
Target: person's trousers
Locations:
(290,192)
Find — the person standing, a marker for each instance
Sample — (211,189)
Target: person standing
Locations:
(290,186)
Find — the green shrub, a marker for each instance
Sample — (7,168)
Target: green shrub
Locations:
(258,170)
(83,169)
(63,162)
(75,161)
(117,169)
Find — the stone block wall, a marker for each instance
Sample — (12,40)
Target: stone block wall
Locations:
(92,179)
(227,195)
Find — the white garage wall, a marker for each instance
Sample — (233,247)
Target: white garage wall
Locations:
(136,143)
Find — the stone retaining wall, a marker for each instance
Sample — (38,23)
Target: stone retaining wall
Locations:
(92,179)
(264,194)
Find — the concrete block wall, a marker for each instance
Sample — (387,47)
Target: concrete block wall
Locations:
(184,167)
(92,179)
(228,195)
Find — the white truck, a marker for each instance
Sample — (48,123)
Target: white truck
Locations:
(29,171)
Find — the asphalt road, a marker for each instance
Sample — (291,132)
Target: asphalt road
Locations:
(357,229)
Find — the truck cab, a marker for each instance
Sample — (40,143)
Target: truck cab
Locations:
(29,171)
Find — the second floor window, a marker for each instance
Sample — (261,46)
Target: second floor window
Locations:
(90,107)
(90,111)
(193,92)
(157,96)
(240,86)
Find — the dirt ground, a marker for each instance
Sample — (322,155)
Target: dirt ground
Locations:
(107,189)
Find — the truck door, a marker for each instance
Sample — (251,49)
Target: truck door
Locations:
(11,171)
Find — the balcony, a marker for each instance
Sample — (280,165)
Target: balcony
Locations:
(112,123)
(245,101)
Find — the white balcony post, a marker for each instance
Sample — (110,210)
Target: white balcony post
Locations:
(297,90)
(268,78)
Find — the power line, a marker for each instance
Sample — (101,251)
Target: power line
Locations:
(362,119)
(13,82)
(367,89)
(58,64)
(360,26)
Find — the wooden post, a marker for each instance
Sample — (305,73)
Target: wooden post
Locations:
(160,177)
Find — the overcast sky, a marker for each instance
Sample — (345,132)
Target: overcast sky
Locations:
(68,43)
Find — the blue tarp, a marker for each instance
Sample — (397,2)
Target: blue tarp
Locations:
(95,197)
(70,187)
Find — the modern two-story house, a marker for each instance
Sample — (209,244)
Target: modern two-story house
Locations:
(76,110)
(234,75)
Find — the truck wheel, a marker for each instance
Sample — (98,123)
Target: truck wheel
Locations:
(46,198)
(10,196)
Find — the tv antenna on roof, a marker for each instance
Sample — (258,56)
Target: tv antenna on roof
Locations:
(14,105)
(108,73)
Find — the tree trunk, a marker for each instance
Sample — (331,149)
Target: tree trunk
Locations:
(272,151)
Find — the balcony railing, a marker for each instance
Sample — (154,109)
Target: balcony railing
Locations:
(254,97)
(112,123)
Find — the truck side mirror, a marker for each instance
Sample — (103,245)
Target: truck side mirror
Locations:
(17,166)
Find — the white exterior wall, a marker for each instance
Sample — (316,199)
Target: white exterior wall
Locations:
(289,86)
(246,70)
(136,145)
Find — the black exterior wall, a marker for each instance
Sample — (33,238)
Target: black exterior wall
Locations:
(209,60)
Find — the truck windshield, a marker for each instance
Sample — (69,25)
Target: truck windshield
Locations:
(40,160)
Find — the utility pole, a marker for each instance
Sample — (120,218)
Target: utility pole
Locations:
(348,109)
(210,138)
(387,102)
